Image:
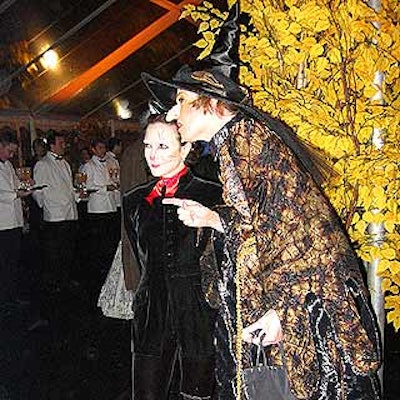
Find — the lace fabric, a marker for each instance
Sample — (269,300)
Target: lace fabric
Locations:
(115,300)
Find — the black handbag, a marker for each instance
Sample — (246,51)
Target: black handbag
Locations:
(266,382)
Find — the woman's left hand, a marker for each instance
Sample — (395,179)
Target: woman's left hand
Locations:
(195,215)
(265,331)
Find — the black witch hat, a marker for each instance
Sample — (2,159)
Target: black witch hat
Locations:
(214,76)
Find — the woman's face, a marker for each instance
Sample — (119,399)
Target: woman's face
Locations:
(163,150)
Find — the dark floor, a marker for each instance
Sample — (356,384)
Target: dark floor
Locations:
(82,355)
(79,355)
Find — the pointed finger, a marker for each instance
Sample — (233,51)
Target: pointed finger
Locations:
(173,201)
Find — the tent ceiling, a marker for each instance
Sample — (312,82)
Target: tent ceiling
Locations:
(103,46)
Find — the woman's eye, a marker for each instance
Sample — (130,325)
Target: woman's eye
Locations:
(163,146)
(146,146)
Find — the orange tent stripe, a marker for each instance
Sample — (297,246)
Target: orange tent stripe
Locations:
(168,5)
(76,85)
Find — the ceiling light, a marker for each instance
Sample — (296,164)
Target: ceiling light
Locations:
(49,59)
(122,109)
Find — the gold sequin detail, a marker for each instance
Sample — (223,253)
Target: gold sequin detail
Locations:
(245,255)
(207,77)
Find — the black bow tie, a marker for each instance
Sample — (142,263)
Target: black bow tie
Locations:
(102,160)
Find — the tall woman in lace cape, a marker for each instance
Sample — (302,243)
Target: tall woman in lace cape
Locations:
(173,324)
(289,273)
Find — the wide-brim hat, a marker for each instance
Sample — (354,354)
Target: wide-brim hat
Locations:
(214,76)
(217,76)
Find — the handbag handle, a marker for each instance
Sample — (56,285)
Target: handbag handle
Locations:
(261,357)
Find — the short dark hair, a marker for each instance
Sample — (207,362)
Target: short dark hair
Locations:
(96,141)
(205,102)
(51,135)
(112,142)
(38,141)
(7,136)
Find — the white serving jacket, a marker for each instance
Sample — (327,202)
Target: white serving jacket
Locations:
(59,199)
(11,216)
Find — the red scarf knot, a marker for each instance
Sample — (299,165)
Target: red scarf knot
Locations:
(169,184)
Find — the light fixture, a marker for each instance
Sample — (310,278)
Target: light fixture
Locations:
(49,60)
(122,109)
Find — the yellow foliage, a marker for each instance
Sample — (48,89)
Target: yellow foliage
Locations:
(334,56)
(203,26)
(386,284)
(382,266)
(394,267)
(314,64)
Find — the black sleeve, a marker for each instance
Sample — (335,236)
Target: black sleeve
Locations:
(127,211)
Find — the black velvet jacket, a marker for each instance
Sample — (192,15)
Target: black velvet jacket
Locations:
(169,300)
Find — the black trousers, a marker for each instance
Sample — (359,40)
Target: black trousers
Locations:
(58,245)
(177,363)
(103,232)
(172,375)
(10,253)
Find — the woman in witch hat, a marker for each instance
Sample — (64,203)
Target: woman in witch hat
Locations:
(289,273)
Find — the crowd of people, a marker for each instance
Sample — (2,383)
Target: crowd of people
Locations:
(73,218)
(257,259)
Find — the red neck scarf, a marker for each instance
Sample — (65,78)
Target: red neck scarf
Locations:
(169,185)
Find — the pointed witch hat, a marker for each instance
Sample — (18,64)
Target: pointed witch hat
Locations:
(214,76)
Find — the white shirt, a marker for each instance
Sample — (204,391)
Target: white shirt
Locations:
(113,163)
(10,205)
(58,199)
(98,178)
(80,169)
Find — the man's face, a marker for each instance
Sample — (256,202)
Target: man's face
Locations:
(99,150)
(59,146)
(39,150)
(85,155)
(191,120)
(8,151)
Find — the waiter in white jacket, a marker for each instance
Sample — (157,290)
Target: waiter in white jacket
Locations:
(58,236)
(103,223)
(11,218)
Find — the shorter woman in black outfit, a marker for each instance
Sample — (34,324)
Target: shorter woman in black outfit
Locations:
(173,325)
